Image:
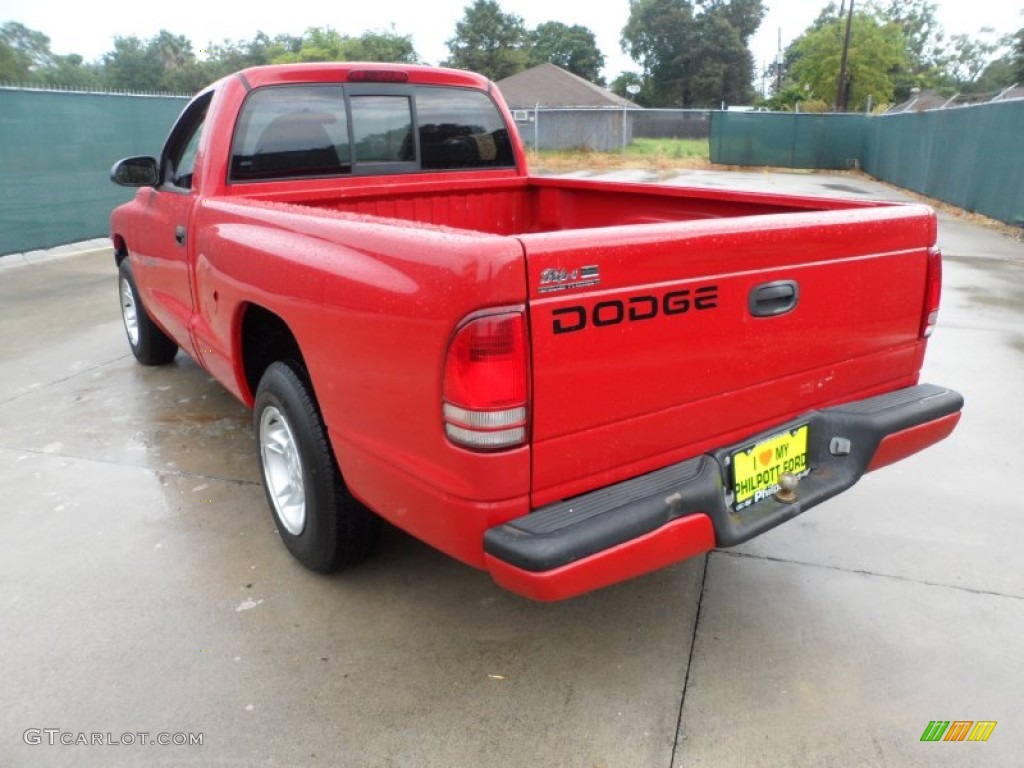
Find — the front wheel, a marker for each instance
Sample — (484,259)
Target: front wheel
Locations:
(320,522)
(149,344)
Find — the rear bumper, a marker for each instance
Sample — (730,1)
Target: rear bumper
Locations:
(674,513)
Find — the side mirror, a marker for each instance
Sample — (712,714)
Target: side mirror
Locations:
(135,172)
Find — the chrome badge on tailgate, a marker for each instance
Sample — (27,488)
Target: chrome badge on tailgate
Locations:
(559,279)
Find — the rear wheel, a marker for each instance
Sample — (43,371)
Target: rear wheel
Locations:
(149,344)
(320,522)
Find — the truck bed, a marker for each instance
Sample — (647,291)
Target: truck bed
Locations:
(532,205)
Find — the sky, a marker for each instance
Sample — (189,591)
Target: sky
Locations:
(91,33)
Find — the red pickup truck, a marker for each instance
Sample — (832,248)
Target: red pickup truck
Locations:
(565,382)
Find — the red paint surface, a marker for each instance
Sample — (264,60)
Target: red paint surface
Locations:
(672,543)
(899,445)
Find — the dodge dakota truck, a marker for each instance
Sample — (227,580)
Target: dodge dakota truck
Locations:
(564,382)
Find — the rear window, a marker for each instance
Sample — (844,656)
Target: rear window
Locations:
(383,129)
(461,129)
(298,131)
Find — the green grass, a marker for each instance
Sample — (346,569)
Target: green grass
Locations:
(671,149)
(653,154)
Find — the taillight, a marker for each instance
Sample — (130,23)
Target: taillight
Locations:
(932,293)
(486,382)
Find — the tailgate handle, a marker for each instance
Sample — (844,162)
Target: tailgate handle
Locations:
(772,299)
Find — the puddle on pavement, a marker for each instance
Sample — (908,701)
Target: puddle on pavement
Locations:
(1002,286)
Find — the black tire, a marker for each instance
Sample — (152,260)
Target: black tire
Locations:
(149,344)
(321,523)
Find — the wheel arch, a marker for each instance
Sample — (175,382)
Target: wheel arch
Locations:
(120,249)
(265,338)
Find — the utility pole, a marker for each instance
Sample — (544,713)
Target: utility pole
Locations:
(778,65)
(841,94)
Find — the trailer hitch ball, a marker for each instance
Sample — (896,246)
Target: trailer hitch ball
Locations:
(787,488)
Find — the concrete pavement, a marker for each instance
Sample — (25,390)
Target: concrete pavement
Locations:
(143,587)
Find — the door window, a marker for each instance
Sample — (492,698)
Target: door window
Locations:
(182,148)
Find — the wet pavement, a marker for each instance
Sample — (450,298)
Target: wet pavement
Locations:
(143,588)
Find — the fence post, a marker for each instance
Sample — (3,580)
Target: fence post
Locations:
(536,127)
(624,127)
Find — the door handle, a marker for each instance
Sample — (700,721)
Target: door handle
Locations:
(773,299)
(179,234)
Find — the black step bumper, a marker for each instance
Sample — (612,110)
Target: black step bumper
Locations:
(555,550)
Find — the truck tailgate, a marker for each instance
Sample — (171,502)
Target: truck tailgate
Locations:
(653,343)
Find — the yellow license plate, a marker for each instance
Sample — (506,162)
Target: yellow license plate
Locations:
(757,469)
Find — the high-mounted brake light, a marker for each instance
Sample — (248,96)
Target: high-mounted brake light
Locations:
(486,383)
(378,76)
(932,293)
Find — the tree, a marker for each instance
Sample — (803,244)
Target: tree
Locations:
(996,76)
(656,36)
(488,41)
(876,50)
(327,44)
(381,46)
(693,56)
(318,44)
(744,15)
(132,66)
(23,53)
(11,70)
(926,46)
(229,56)
(571,48)
(71,71)
(922,33)
(725,68)
(190,77)
(168,62)
(1018,54)
(620,85)
(171,50)
(970,56)
(164,62)
(960,63)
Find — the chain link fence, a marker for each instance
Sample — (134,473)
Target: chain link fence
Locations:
(607,129)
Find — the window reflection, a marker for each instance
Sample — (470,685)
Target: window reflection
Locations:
(382,128)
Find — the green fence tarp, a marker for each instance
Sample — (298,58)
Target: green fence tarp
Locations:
(971,157)
(968,156)
(56,149)
(786,140)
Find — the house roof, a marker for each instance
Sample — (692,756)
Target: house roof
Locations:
(926,100)
(1016,92)
(548,85)
(920,102)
